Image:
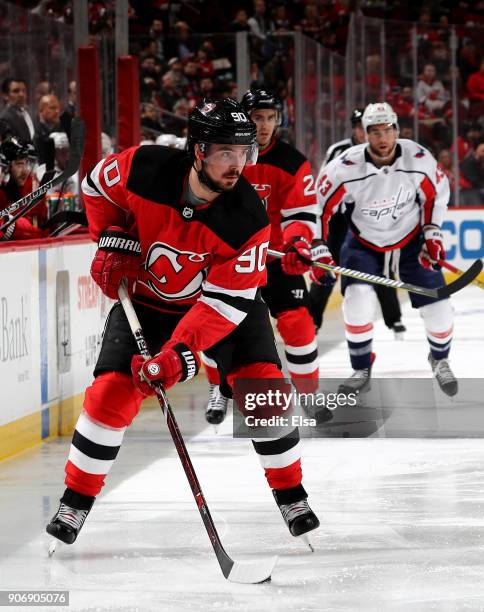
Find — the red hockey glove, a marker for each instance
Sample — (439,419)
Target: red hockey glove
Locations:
(297,255)
(117,257)
(22,229)
(176,362)
(321,253)
(433,249)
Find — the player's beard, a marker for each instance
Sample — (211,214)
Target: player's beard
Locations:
(383,159)
(227,175)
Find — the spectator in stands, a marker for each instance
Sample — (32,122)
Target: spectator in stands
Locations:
(406,128)
(311,24)
(168,94)
(15,113)
(48,122)
(260,23)
(43,88)
(475,88)
(469,135)
(176,71)
(446,163)
(472,167)
(282,23)
(469,57)
(206,88)
(439,56)
(240,22)
(69,108)
(403,102)
(430,91)
(204,62)
(191,70)
(151,120)
(181,46)
(181,110)
(157,35)
(375,88)
(475,84)
(260,26)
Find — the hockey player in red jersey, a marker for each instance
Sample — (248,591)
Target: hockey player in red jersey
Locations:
(395,197)
(17,179)
(189,234)
(283,180)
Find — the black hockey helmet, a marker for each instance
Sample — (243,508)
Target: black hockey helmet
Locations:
(220,122)
(258,98)
(13,148)
(356,116)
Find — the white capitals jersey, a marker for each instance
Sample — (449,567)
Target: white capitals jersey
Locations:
(386,206)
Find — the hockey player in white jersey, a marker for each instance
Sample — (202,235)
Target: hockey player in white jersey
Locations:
(321,288)
(395,197)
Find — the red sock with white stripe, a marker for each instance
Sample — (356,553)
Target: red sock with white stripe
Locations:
(296,327)
(110,404)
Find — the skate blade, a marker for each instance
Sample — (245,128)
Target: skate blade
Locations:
(53,546)
(307,540)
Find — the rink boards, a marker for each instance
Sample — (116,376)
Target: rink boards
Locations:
(51,319)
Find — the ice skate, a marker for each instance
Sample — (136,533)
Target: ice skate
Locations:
(216,409)
(444,375)
(295,510)
(399,330)
(68,521)
(359,381)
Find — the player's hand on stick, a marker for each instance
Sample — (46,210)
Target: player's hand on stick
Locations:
(118,256)
(320,253)
(176,362)
(433,248)
(297,256)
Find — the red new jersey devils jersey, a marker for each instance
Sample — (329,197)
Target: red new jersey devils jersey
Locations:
(283,180)
(207,260)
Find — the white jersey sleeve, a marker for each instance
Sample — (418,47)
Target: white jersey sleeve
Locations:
(433,191)
(330,193)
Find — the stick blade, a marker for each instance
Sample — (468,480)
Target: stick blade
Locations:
(252,572)
(462,281)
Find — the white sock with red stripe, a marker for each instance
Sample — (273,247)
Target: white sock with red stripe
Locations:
(359,306)
(438,319)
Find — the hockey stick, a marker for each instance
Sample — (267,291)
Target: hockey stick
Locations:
(441,292)
(451,268)
(247,572)
(22,206)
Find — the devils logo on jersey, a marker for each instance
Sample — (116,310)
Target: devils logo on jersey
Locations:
(174,274)
(263,191)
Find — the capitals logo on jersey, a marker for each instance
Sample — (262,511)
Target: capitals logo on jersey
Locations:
(182,271)
(263,191)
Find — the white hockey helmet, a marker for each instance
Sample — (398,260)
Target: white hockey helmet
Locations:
(380,113)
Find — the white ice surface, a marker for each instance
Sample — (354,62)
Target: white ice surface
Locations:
(402,521)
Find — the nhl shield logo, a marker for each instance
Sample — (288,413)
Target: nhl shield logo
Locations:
(187,212)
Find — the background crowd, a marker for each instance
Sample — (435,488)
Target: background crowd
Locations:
(179,66)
